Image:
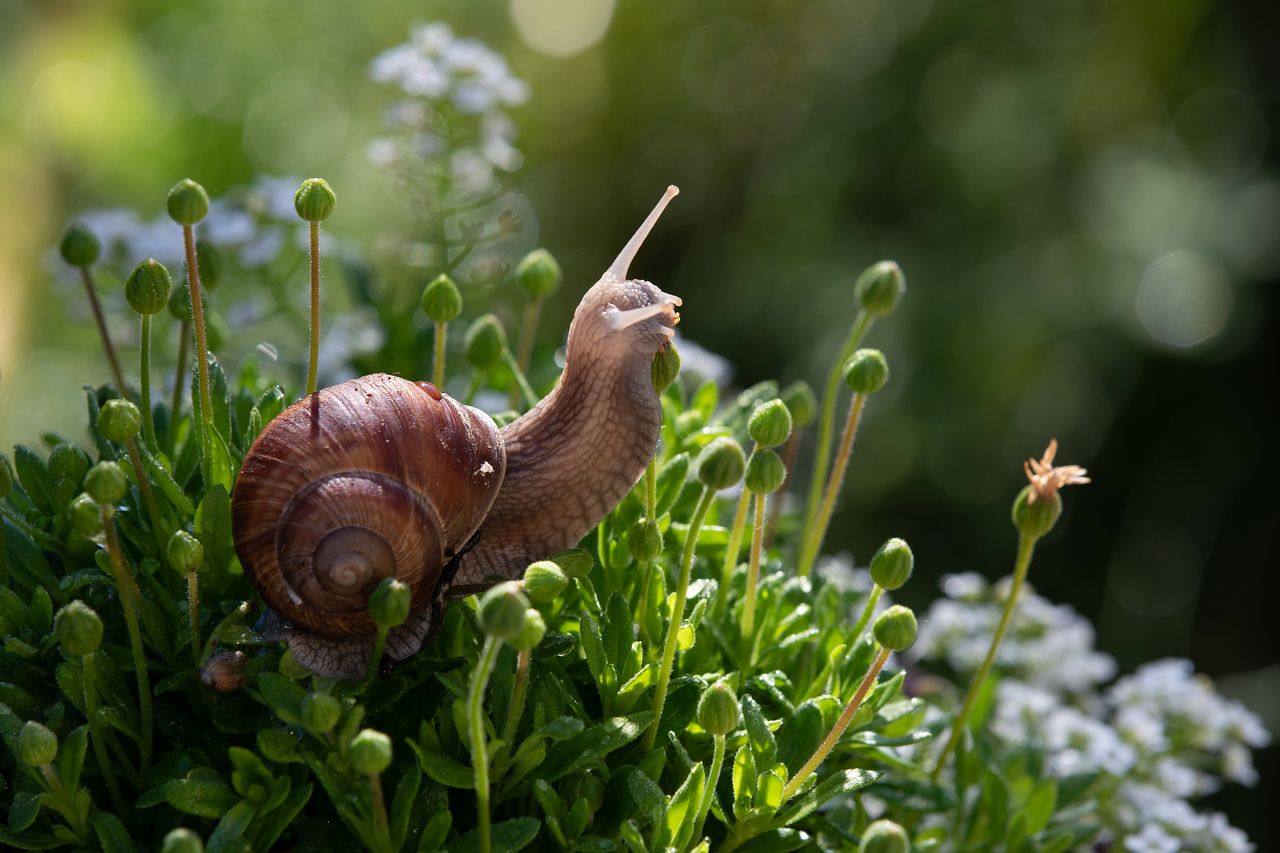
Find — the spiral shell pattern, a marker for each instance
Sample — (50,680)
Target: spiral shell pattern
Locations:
(377,477)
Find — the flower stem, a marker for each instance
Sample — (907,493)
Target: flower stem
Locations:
(833,737)
(1026,547)
(379,643)
(179,380)
(315,308)
(89,677)
(148,496)
(144,371)
(780,498)
(530,398)
(709,789)
(651,489)
(528,331)
(202,352)
(677,615)
(816,531)
(867,610)
(518,691)
(193,610)
(381,828)
(732,550)
(437,365)
(107,346)
(753,567)
(130,600)
(475,722)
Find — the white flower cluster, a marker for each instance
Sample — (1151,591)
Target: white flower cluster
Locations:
(454,115)
(1159,734)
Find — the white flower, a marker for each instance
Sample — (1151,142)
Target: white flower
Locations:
(1152,839)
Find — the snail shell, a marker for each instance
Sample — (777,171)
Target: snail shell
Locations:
(378,477)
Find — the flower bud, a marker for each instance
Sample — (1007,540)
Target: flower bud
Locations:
(645,540)
(576,562)
(370,752)
(320,712)
(885,836)
(188,202)
(185,553)
(209,263)
(80,246)
(801,403)
(666,367)
(544,581)
(389,603)
(180,302)
(78,629)
(37,746)
(106,483)
(441,300)
(866,372)
(718,709)
(721,463)
(895,629)
(1034,520)
(119,420)
(531,633)
(765,471)
(148,287)
(182,840)
(85,516)
(6,477)
(502,610)
(314,200)
(770,424)
(892,564)
(879,288)
(67,463)
(538,273)
(485,342)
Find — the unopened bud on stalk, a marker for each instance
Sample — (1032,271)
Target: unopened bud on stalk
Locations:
(182,840)
(531,632)
(106,483)
(1035,519)
(485,342)
(119,420)
(185,553)
(866,372)
(718,709)
(721,463)
(188,203)
(895,629)
(503,609)
(37,746)
(210,262)
(80,246)
(85,516)
(148,287)
(370,752)
(801,402)
(67,463)
(765,471)
(389,603)
(538,273)
(770,424)
(644,539)
(885,836)
(320,712)
(892,564)
(314,200)
(666,367)
(78,629)
(441,300)
(544,581)
(880,288)
(180,303)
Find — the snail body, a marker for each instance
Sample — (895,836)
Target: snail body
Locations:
(384,477)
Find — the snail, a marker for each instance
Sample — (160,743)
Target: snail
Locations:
(385,477)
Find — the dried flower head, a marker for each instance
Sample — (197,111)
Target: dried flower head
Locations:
(1046,479)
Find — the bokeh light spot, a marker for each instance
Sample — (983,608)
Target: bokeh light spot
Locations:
(295,126)
(729,65)
(561,27)
(1184,299)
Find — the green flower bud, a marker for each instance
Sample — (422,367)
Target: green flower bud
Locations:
(801,403)
(503,609)
(85,516)
(78,629)
(866,372)
(209,263)
(119,420)
(718,709)
(666,367)
(67,463)
(721,463)
(531,633)
(180,302)
(892,564)
(486,342)
(389,603)
(765,471)
(538,273)
(576,562)
(185,553)
(441,300)
(880,287)
(148,287)
(885,836)
(106,483)
(1034,520)
(314,200)
(370,752)
(645,540)
(895,629)
(544,581)
(182,840)
(188,202)
(770,424)
(37,746)
(80,246)
(320,712)
(6,477)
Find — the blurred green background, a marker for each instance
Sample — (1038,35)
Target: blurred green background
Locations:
(1083,196)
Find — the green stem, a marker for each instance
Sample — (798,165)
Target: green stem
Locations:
(148,496)
(709,789)
(379,643)
(107,346)
(753,567)
(89,677)
(651,489)
(144,371)
(822,453)
(530,398)
(529,330)
(315,308)
(437,365)
(518,690)
(193,610)
(179,380)
(202,352)
(130,600)
(870,608)
(833,737)
(677,615)
(381,828)
(475,722)
(1026,546)
(817,530)
(780,499)
(732,550)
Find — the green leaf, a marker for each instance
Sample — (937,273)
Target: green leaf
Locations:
(648,797)
(597,660)
(592,744)
(282,817)
(279,746)
(71,757)
(744,780)
(800,736)
(202,797)
(678,821)
(436,831)
(444,769)
(671,478)
(33,474)
(509,835)
(229,835)
(29,841)
(24,809)
(1040,806)
(402,806)
(213,527)
(111,833)
(838,783)
(41,610)
(777,841)
(159,475)
(283,695)
(761,737)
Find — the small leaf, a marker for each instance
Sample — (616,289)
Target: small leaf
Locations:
(761,737)
(202,797)
(509,835)
(838,783)
(279,746)
(1039,807)
(71,757)
(402,806)
(678,821)
(592,744)
(229,835)
(111,833)
(648,797)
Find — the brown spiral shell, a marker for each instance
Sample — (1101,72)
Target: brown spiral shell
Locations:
(376,477)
